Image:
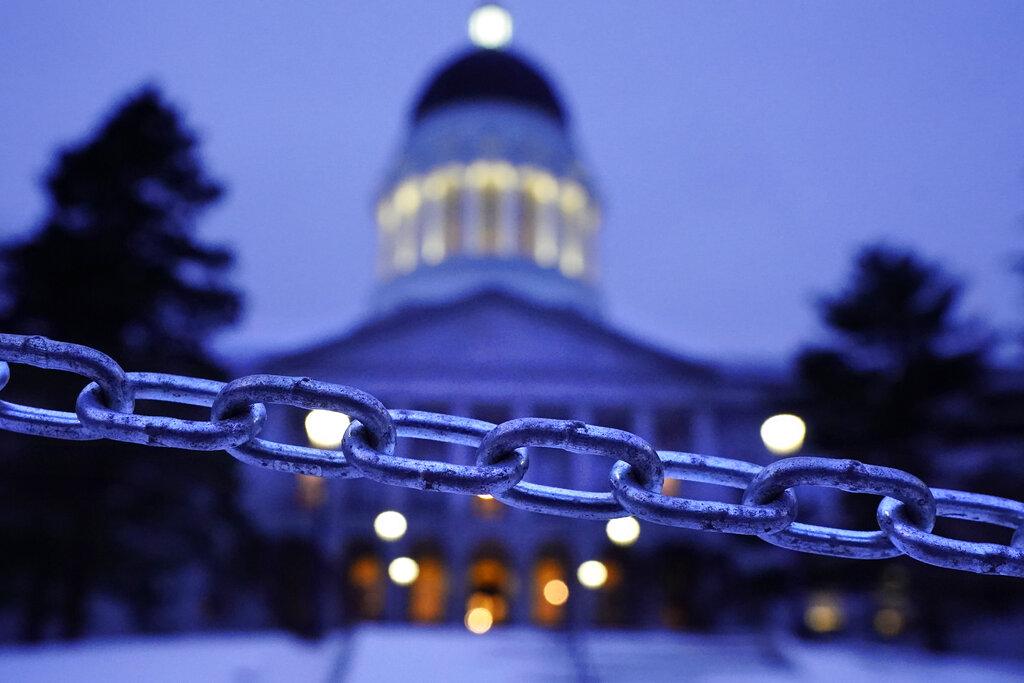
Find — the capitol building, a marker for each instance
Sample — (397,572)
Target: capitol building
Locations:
(489,305)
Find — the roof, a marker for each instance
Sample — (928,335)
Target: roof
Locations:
(489,75)
(493,333)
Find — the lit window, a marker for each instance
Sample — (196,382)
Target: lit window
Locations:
(407,197)
(783,434)
(489,584)
(494,603)
(823,614)
(889,622)
(310,491)
(571,262)
(387,217)
(572,199)
(429,593)
(550,591)
(366,587)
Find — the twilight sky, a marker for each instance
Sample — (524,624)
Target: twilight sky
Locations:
(743,151)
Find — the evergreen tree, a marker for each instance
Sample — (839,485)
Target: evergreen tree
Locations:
(115,265)
(901,382)
(902,373)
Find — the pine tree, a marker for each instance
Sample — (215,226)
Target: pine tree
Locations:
(902,373)
(115,265)
(900,383)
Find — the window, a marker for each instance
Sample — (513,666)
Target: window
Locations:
(429,593)
(363,591)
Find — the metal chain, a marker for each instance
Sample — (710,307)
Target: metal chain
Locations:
(906,515)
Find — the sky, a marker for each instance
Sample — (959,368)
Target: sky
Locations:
(743,152)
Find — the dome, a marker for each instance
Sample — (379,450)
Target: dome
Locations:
(489,75)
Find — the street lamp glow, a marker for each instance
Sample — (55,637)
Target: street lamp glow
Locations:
(390,525)
(622,530)
(556,592)
(783,434)
(592,574)
(325,428)
(403,570)
(490,26)
(479,620)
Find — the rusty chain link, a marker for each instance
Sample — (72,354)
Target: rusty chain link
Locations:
(105,409)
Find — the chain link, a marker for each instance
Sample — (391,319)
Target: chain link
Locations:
(845,475)
(906,515)
(430,475)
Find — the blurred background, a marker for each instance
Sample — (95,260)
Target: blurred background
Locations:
(751,231)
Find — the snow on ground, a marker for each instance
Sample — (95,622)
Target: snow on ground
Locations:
(452,655)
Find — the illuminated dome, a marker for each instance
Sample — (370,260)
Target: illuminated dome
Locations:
(490,75)
(487,191)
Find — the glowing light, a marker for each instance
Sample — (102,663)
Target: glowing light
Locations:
(440,182)
(622,530)
(499,174)
(407,197)
(556,592)
(889,622)
(387,217)
(390,525)
(310,491)
(485,496)
(541,185)
(783,434)
(571,261)
(403,570)
(479,620)
(592,574)
(573,198)
(823,614)
(490,26)
(325,428)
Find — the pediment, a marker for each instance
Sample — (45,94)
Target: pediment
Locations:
(487,333)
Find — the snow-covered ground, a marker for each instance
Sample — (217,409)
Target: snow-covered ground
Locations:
(401,653)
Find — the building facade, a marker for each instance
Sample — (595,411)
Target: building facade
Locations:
(489,306)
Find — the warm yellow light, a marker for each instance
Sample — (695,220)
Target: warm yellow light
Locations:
(783,434)
(387,218)
(311,491)
(440,182)
(479,620)
(823,614)
(622,530)
(403,570)
(556,592)
(325,428)
(490,26)
(407,197)
(889,622)
(485,496)
(571,262)
(592,574)
(390,525)
(573,198)
(541,185)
